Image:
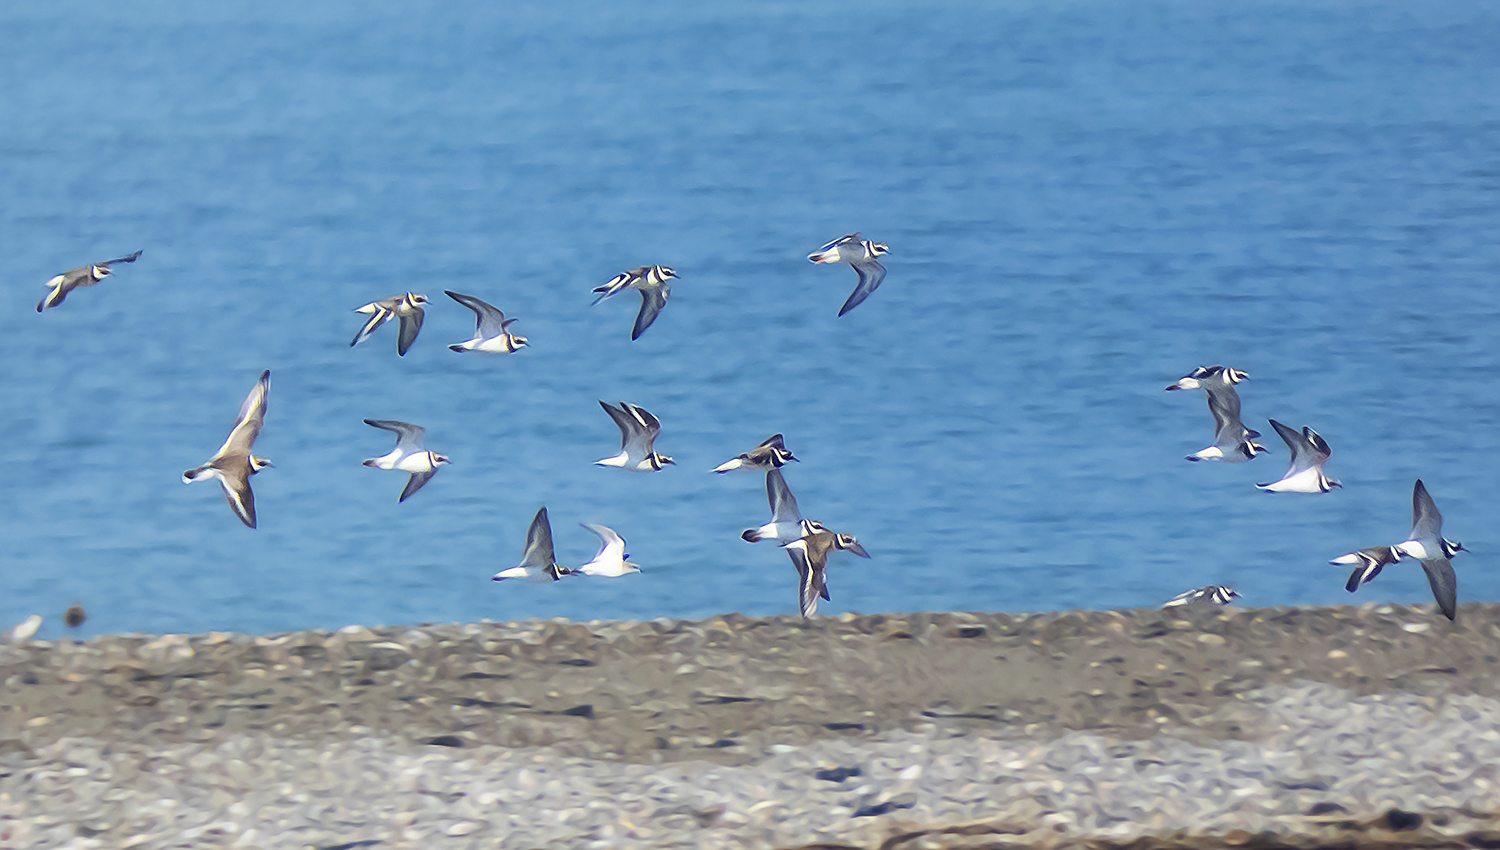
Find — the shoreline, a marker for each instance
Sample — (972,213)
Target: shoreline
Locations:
(750,695)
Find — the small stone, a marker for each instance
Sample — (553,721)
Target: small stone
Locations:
(1415,628)
(1399,821)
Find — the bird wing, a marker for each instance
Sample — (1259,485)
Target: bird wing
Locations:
(1444,584)
(1228,429)
(408,436)
(488,321)
(411,325)
(538,553)
(809,574)
(1186,597)
(783,503)
(653,299)
(852,237)
(871,275)
(130,259)
(417,481)
(609,541)
(615,284)
(645,428)
(381,315)
(236,484)
(628,425)
(1426,520)
(250,420)
(1317,446)
(1363,574)
(1302,457)
(651,423)
(1224,401)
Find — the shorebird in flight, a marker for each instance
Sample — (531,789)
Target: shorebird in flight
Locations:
(1367,564)
(233,464)
(408,455)
(537,560)
(654,284)
(1425,543)
(85,276)
(1309,453)
(809,555)
(638,433)
(863,256)
(1214,594)
(769,455)
(406,307)
(491,329)
(612,560)
(786,520)
(1210,379)
(1233,442)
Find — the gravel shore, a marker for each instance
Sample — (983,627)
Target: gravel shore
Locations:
(1232,727)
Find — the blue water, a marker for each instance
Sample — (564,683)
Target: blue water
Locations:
(1084,201)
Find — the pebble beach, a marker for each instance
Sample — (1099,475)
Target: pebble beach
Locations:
(1375,725)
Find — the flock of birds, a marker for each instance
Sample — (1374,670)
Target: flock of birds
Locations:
(807,542)
(1234,443)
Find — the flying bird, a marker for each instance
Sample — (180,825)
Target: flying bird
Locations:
(537,560)
(1309,453)
(233,464)
(1233,442)
(1425,543)
(809,555)
(23,631)
(1367,564)
(769,455)
(1214,594)
(612,560)
(1210,379)
(638,433)
(786,520)
(406,307)
(654,284)
(408,455)
(863,257)
(86,276)
(491,329)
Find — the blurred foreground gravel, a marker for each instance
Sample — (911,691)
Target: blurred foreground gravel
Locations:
(1251,727)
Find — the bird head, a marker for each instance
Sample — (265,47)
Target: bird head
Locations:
(847,543)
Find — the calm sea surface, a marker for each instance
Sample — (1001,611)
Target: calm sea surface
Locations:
(1084,201)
